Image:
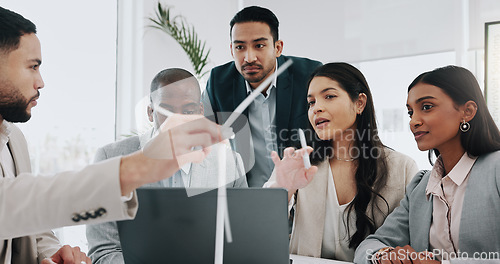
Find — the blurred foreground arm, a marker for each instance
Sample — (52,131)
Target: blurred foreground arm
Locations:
(177,143)
(30,205)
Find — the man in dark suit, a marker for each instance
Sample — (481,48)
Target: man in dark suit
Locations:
(276,114)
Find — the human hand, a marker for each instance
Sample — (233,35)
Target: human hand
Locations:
(406,255)
(180,139)
(68,255)
(185,138)
(290,171)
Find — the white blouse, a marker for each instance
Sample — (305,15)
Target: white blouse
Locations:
(335,243)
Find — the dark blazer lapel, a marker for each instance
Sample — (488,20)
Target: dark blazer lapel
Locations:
(239,92)
(284,94)
(244,140)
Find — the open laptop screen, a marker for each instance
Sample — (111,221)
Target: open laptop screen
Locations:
(171,227)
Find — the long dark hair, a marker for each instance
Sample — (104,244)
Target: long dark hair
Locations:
(461,86)
(371,173)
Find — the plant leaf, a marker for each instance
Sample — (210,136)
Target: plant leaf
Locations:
(184,33)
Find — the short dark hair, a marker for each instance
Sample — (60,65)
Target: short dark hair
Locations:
(12,27)
(461,86)
(257,14)
(169,76)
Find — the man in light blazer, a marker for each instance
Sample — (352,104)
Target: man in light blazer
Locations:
(30,205)
(178,91)
(32,248)
(409,224)
(276,114)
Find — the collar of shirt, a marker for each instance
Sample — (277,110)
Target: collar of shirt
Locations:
(273,83)
(144,138)
(457,174)
(186,168)
(4,134)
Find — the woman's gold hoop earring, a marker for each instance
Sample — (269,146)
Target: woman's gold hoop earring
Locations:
(464,126)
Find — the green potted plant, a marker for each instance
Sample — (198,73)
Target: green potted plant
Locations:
(178,28)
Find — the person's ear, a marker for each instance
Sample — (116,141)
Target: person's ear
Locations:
(150,113)
(361,103)
(470,110)
(278,47)
(231,48)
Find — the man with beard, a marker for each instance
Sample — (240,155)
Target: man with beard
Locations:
(30,206)
(276,114)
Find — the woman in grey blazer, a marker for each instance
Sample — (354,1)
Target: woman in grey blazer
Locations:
(451,213)
(357,181)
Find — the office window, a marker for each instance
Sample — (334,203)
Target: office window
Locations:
(76,111)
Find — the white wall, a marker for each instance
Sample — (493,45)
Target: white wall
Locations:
(364,30)
(355,30)
(361,30)
(352,31)
(391,41)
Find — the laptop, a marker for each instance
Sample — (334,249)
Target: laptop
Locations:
(171,227)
